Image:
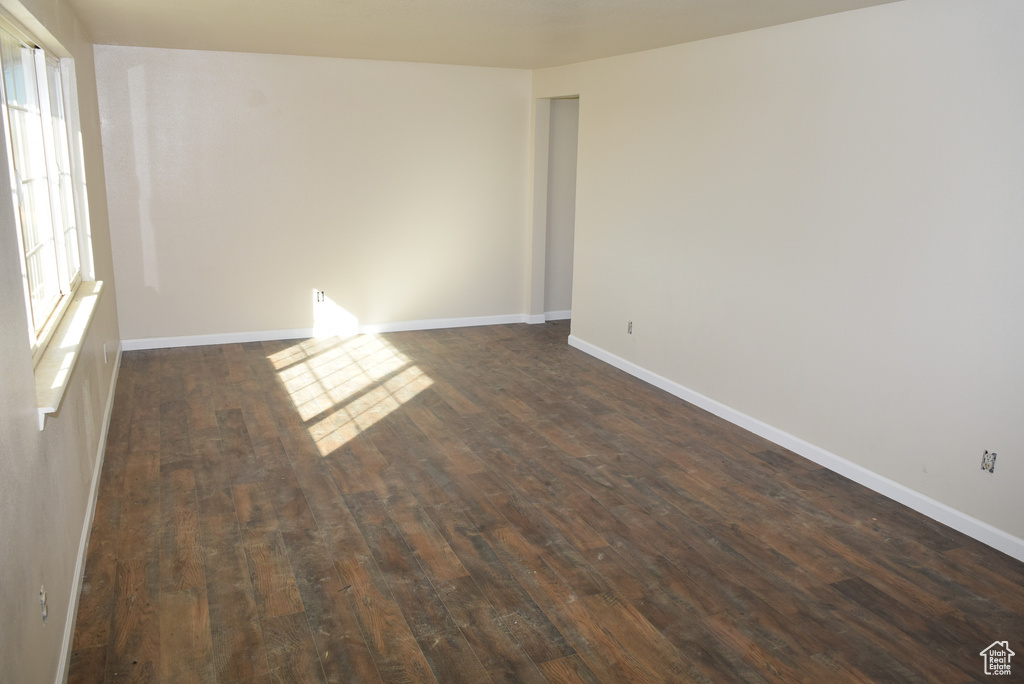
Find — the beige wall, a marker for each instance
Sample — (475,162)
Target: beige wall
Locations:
(46,477)
(238,183)
(819,226)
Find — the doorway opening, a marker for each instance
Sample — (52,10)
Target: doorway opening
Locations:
(563,137)
(556,136)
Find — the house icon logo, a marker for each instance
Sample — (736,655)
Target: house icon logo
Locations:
(997,658)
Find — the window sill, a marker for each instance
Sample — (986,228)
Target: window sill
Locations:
(54,370)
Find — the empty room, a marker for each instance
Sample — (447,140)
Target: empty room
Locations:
(550,341)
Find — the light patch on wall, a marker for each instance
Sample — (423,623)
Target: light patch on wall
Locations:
(331,320)
(344,386)
(137,95)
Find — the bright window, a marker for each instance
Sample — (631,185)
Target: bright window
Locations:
(36,130)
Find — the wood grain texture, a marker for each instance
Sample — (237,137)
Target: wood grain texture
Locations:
(87,665)
(491,505)
(133,653)
(291,652)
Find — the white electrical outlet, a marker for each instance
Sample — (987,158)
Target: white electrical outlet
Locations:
(42,602)
(988,461)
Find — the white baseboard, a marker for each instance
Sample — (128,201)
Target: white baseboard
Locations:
(83,544)
(303,333)
(436,323)
(549,316)
(219,338)
(936,510)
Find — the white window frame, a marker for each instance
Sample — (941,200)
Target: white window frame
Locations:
(62,223)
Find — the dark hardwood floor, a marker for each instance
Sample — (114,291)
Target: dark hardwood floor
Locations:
(489,504)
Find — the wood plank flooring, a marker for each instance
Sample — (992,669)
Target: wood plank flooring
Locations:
(491,505)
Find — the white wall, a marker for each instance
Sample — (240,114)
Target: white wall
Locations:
(238,183)
(561,205)
(819,226)
(46,477)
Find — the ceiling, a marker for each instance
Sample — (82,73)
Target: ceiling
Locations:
(525,34)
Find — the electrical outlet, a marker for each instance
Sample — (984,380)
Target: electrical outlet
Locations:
(42,602)
(629,328)
(320,296)
(988,461)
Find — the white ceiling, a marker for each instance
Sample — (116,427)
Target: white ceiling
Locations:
(502,33)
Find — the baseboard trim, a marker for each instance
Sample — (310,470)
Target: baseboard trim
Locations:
(936,510)
(303,333)
(558,315)
(83,544)
(436,323)
(219,338)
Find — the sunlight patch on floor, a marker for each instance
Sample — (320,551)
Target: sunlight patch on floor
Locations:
(343,386)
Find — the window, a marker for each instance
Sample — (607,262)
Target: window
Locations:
(36,130)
